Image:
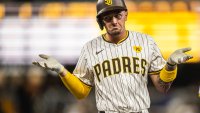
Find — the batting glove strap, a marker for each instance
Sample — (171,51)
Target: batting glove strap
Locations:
(168,76)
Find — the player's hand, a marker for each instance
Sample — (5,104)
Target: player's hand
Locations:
(179,56)
(49,63)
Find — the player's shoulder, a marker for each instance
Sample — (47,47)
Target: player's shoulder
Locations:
(145,36)
(93,42)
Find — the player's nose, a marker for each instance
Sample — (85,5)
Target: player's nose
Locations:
(114,20)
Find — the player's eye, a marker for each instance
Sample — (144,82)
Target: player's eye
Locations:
(118,16)
(109,18)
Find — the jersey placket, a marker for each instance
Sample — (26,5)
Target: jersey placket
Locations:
(119,54)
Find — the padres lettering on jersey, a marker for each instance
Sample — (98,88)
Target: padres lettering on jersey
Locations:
(119,72)
(118,65)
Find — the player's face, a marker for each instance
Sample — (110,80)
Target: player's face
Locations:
(115,22)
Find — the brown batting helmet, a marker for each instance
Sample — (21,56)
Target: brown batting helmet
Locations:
(104,6)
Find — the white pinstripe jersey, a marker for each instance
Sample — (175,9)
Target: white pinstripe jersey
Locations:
(119,71)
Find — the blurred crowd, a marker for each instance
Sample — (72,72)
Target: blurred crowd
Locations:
(32,90)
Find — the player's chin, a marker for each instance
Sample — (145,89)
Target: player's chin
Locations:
(115,32)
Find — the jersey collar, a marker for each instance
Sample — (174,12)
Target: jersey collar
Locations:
(122,40)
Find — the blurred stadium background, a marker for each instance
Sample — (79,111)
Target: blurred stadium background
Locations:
(60,28)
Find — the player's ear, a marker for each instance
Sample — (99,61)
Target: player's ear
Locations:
(100,22)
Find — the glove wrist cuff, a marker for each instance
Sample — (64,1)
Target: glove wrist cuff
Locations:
(170,64)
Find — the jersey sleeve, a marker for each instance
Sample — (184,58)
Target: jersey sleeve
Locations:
(82,70)
(157,60)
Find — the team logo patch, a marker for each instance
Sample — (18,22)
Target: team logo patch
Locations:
(137,49)
(108,2)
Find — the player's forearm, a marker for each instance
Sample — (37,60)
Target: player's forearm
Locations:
(163,86)
(74,85)
(166,77)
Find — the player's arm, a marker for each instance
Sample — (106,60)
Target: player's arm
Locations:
(79,89)
(164,79)
(74,85)
(164,86)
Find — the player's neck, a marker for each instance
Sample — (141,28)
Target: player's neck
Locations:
(116,38)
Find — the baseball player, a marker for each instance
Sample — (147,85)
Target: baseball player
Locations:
(118,64)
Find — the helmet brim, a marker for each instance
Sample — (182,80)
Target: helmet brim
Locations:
(110,9)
